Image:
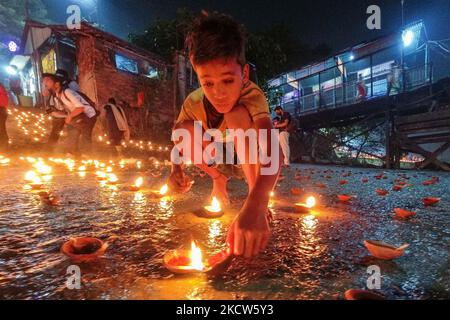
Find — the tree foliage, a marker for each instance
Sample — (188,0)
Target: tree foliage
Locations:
(272,51)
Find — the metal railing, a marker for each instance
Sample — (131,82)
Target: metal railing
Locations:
(347,93)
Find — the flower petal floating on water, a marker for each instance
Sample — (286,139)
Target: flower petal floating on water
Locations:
(381,192)
(403,214)
(355,294)
(344,197)
(430,201)
(384,251)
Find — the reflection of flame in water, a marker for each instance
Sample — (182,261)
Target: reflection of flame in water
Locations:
(215,230)
(196,257)
(139,203)
(309,223)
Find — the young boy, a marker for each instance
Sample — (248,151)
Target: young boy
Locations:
(227,99)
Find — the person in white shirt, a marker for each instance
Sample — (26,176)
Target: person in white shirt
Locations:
(81,115)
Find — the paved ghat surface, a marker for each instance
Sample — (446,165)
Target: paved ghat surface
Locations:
(318,255)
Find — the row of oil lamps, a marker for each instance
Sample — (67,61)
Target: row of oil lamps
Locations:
(40,122)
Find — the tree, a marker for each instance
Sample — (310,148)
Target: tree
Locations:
(273,51)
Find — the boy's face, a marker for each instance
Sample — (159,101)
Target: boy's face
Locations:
(222,81)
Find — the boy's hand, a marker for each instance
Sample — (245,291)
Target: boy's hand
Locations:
(178,181)
(249,233)
(68,119)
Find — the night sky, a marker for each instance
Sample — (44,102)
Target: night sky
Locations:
(338,23)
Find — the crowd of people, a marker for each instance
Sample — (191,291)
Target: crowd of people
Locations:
(74,111)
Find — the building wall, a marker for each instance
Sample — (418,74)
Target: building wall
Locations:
(100,79)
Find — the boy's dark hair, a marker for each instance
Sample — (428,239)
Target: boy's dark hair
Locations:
(278,108)
(215,36)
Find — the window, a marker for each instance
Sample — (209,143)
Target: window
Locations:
(126,64)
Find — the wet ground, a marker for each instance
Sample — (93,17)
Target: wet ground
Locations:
(318,255)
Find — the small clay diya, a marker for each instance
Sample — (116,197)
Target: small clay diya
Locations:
(430,201)
(365,180)
(191,261)
(403,214)
(306,207)
(212,211)
(342,182)
(84,249)
(137,184)
(161,193)
(344,198)
(49,198)
(355,294)
(384,251)
(397,188)
(381,192)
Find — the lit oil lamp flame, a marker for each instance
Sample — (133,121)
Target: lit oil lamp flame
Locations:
(214,207)
(139,181)
(112,178)
(196,257)
(42,168)
(30,175)
(164,189)
(82,168)
(36,181)
(311,202)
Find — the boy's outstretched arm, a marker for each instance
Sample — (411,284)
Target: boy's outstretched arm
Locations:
(249,233)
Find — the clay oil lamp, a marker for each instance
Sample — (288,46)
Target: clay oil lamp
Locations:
(365,180)
(384,251)
(36,183)
(112,179)
(429,182)
(306,207)
(49,198)
(161,193)
(430,201)
(101,175)
(355,294)
(137,184)
(214,210)
(4,161)
(192,261)
(382,192)
(83,249)
(397,188)
(403,214)
(343,182)
(344,198)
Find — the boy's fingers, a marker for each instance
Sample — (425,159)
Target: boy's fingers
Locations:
(264,241)
(230,240)
(238,242)
(258,241)
(249,244)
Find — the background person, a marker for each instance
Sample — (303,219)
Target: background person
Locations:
(282,125)
(81,115)
(116,125)
(3,116)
